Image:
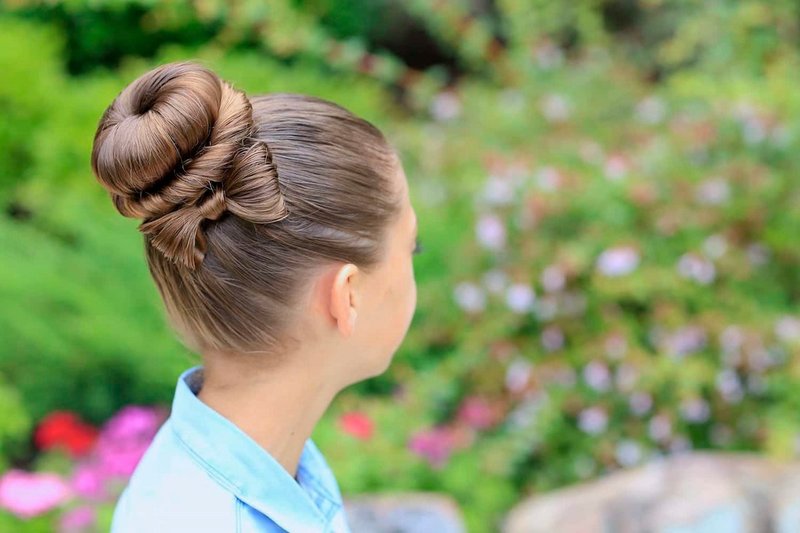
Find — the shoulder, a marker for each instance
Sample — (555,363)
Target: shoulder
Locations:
(171,490)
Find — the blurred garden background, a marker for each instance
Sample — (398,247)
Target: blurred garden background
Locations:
(608,201)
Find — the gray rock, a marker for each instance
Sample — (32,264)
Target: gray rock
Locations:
(700,492)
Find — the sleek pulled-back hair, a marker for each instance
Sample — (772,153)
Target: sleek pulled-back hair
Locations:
(242,199)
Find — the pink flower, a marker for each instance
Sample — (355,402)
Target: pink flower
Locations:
(617,167)
(78,519)
(434,444)
(476,413)
(126,437)
(88,480)
(28,494)
(357,424)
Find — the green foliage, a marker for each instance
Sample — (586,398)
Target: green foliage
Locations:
(650,148)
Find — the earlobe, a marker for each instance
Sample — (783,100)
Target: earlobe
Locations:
(352,320)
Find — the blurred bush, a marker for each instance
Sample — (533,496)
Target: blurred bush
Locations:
(607,199)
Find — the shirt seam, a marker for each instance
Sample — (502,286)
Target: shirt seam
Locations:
(230,485)
(216,475)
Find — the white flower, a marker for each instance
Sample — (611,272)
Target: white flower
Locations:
(549,55)
(640,403)
(555,108)
(545,308)
(470,297)
(660,428)
(696,268)
(616,346)
(757,254)
(715,246)
(651,110)
(729,385)
(548,178)
(787,329)
(518,374)
(512,100)
(628,453)
(695,410)
(680,444)
(618,261)
(445,106)
(715,191)
(597,376)
(498,190)
(731,338)
(495,280)
(491,232)
(617,167)
(552,338)
(685,341)
(520,297)
(721,435)
(553,279)
(626,377)
(593,420)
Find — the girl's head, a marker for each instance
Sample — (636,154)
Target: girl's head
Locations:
(273,224)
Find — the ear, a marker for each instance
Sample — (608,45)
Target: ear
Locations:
(344,298)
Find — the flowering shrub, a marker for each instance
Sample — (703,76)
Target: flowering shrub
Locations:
(100,461)
(609,219)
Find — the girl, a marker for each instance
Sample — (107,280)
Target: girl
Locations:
(279,233)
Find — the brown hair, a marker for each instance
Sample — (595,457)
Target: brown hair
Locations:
(242,199)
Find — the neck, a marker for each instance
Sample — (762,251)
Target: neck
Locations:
(278,408)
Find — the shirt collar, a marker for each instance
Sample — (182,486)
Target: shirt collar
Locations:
(234,459)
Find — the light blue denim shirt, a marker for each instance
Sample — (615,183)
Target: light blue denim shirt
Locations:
(202,473)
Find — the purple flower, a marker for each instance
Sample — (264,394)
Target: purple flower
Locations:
(696,268)
(434,444)
(517,374)
(597,376)
(552,338)
(618,261)
(593,420)
(520,297)
(553,279)
(490,232)
(695,410)
(660,428)
(640,402)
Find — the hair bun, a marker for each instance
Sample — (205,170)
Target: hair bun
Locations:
(163,150)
